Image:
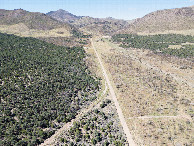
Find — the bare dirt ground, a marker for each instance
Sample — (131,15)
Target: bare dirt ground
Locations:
(155,93)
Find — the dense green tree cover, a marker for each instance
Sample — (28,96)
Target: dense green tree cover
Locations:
(158,43)
(80,34)
(94,129)
(40,83)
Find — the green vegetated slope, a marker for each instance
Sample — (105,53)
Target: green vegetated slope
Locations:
(159,43)
(41,85)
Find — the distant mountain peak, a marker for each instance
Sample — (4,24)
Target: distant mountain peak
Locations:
(63,15)
(110,18)
(61,10)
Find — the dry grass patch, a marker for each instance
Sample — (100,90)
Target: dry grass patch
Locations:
(174,46)
(22,30)
(162,131)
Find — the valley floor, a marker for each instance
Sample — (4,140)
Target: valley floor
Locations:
(152,94)
(155,93)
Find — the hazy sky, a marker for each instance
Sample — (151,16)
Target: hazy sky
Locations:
(123,9)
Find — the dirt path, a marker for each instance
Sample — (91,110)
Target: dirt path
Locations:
(113,95)
(50,141)
(153,117)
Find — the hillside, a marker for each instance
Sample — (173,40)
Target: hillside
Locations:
(33,20)
(163,20)
(105,26)
(89,24)
(34,24)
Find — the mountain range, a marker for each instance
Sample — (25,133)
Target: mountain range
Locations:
(162,20)
(63,23)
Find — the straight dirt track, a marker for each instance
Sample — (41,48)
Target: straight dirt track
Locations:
(113,95)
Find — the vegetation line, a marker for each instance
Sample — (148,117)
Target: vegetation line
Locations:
(170,44)
(145,62)
(113,95)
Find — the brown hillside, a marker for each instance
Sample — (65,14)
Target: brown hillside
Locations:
(33,20)
(33,24)
(164,20)
(105,26)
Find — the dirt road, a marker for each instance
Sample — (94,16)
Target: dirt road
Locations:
(113,95)
(50,141)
